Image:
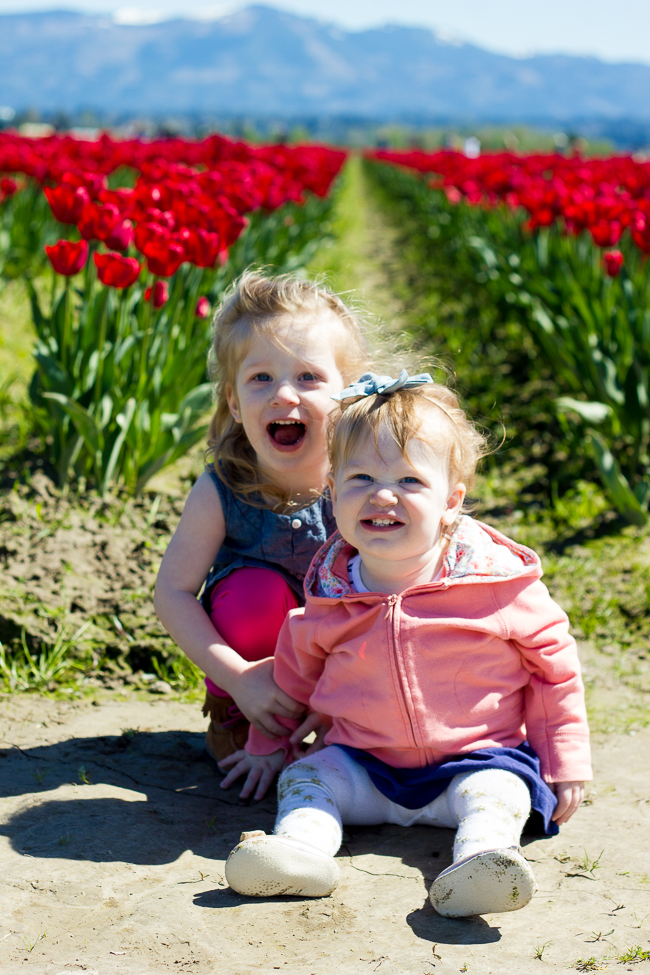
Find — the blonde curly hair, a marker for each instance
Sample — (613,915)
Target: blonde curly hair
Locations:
(258,304)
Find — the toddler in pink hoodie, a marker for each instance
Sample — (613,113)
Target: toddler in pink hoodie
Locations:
(447,671)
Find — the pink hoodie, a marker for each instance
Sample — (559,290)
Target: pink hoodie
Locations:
(480,658)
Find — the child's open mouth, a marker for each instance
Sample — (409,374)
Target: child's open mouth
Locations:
(287,433)
(381,524)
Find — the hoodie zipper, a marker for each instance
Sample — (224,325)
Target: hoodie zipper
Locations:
(391,610)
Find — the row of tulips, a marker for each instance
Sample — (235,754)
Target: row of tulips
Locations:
(121,352)
(588,311)
(603,196)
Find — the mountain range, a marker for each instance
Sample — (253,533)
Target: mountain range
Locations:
(261,62)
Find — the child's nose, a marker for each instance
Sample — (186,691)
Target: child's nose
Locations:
(284,394)
(384,496)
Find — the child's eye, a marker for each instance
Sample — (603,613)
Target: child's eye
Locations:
(411,480)
(361,477)
(262,377)
(307,377)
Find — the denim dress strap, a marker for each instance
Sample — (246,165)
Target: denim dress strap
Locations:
(262,538)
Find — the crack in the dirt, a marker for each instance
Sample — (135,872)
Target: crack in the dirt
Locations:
(402,876)
(131,778)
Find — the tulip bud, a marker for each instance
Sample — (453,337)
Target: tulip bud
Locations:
(613,262)
(67,256)
(8,186)
(202,307)
(115,270)
(158,295)
(121,237)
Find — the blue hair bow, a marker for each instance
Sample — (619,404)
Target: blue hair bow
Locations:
(370,383)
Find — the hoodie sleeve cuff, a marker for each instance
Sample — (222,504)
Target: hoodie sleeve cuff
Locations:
(565,759)
(259,744)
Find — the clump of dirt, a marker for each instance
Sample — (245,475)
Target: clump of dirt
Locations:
(68,561)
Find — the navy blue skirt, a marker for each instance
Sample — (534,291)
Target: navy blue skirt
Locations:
(415,788)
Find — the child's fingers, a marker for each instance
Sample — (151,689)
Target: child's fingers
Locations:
(232,759)
(264,783)
(286,706)
(569,798)
(234,773)
(311,723)
(252,779)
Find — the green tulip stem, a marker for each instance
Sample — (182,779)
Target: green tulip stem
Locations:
(146,337)
(67,323)
(100,348)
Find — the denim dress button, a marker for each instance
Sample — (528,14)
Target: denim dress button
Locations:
(296,523)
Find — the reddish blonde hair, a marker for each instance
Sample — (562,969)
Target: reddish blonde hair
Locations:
(257,305)
(404,414)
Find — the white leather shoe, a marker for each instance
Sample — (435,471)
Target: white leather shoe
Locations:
(267,866)
(489,882)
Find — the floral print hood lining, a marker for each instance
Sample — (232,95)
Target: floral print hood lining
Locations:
(476,553)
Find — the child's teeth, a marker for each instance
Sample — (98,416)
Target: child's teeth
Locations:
(382,521)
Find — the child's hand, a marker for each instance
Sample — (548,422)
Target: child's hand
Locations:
(260,770)
(259,699)
(321,724)
(569,796)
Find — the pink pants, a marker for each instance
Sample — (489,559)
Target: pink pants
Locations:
(248,608)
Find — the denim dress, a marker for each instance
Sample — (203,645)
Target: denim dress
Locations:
(264,539)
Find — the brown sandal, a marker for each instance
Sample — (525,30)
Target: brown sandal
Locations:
(228,729)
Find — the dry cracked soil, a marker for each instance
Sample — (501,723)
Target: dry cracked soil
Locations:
(114,833)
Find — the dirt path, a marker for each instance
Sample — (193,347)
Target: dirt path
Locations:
(114,841)
(114,831)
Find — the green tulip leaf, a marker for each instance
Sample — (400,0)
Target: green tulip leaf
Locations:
(625,500)
(84,422)
(591,412)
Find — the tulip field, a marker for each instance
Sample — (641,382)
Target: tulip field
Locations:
(141,239)
(125,247)
(556,249)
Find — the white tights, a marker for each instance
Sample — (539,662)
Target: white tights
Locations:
(317,795)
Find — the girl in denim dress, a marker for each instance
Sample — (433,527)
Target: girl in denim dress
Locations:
(259,513)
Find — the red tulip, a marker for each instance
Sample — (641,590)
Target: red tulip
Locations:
(160,292)
(613,262)
(202,307)
(67,202)
(121,238)
(146,232)
(164,257)
(98,221)
(201,247)
(606,232)
(93,183)
(227,222)
(123,197)
(67,256)
(115,270)
(8,186)
(640,231)
(163,217)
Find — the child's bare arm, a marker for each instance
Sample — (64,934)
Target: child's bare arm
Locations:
(569,796)
(191,553)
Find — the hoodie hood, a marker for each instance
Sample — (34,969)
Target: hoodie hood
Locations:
(476,553)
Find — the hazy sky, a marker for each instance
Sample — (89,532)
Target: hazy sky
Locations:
(617,31)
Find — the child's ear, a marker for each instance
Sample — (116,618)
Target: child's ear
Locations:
(331,483)
(232,403)
(454,504)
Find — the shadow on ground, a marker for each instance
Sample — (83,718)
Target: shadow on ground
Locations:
(174,802)
(160,796)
